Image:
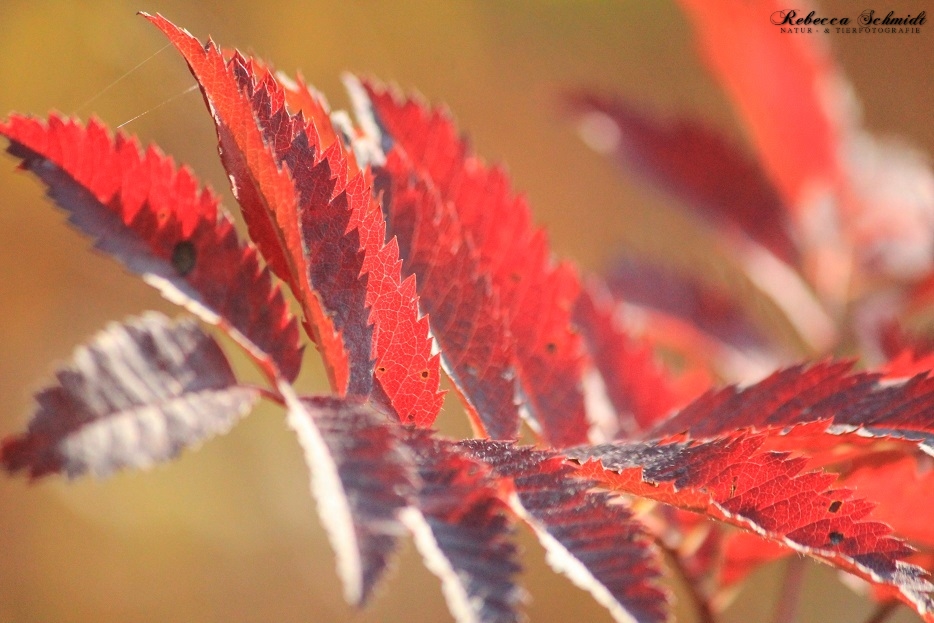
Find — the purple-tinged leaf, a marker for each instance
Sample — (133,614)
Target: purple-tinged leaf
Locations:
(360,479)
(711,310)
(695,163)
(828,395)
(137,394)
(463,533)
(587,536)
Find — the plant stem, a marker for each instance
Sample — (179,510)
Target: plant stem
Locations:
(786,610)
(701,603)
(882,612)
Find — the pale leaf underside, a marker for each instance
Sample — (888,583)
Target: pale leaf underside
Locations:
(134,396)
(596,543)
(360,480)
(463,532)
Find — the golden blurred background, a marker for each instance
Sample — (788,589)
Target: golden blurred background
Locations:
(229,533)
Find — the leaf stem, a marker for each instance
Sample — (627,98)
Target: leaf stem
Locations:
(882,612)
(267,393)
(701,603)
(786,610)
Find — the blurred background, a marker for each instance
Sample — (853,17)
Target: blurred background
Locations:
(229,533)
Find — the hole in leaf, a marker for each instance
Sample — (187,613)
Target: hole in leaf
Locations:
(183,257)
(835,538)
(551,347)
(835,506)
(424,374)
(381,369)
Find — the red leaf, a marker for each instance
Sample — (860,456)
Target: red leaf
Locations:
(742,50)
(360,479)
(537,293)
(137,394)
(906,506)
(698,165)
(264,189)
(336,233)
(731,479)
(827,397)
(597,544)
(152,218)
(462,532)
(641,391)
(466,317)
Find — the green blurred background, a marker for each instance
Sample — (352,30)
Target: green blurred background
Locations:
(229,533)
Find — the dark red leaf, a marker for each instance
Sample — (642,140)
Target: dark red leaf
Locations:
(360,479)
(263,188)
(153,218)
(462,531)
(137,394)
(698,165)
(465,315)
(596,543)
(733,480)
(537,293)
(333,231)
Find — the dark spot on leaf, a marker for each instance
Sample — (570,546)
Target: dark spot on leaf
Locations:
(516,277)
(835,506)
(836,538)
(381,369)
(551,347)
(183,257)
(424,374)
(410,417)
